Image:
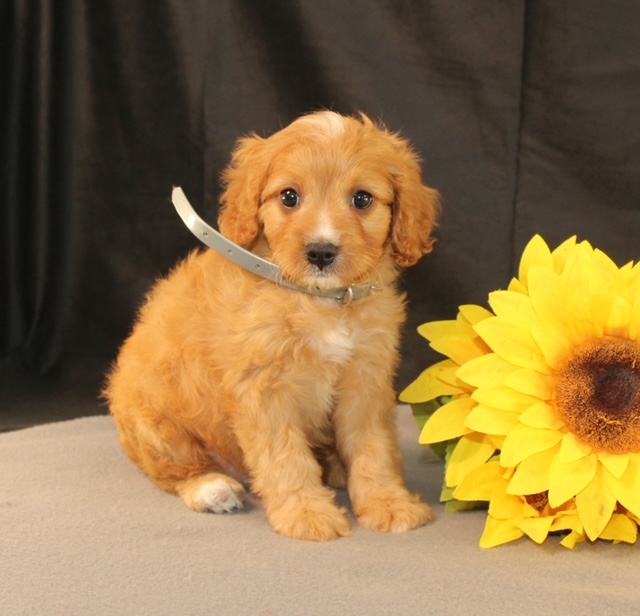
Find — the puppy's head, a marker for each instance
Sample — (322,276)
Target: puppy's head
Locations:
(330,199)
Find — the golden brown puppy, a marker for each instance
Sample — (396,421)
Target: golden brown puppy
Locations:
(229,378)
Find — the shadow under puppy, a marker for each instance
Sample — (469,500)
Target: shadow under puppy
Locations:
(228,377)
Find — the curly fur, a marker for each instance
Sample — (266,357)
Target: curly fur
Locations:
(230,380)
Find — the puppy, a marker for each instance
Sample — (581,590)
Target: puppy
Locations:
(232,379)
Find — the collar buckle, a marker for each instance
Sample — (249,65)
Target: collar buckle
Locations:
(347,297)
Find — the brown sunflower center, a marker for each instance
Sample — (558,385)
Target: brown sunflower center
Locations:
(615,388)
(598,394)
(538,501)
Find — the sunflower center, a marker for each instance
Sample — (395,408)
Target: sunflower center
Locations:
(538,501)
(598,394)
(615,388)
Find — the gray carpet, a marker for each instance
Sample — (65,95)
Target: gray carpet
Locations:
(83,532)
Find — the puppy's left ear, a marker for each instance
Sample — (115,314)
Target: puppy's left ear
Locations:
(243,181)
(416,208)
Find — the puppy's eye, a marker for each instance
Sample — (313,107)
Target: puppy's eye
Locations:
(361,200)
(289,198)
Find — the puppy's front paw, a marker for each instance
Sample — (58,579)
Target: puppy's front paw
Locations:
(311,521)
(393,511)
(214,493)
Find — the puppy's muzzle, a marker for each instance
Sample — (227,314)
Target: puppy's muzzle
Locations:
(322,254)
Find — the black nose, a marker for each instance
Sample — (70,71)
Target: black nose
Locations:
(322,255)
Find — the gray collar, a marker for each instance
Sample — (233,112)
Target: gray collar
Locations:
(252,263)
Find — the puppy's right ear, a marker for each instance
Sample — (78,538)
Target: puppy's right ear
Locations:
(243,181)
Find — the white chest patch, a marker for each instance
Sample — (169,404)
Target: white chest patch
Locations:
(334,344)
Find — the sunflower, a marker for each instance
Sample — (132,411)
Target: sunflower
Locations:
(543,416)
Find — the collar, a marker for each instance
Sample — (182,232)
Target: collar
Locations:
(251,262)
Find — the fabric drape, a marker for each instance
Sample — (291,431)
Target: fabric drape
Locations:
(525,113)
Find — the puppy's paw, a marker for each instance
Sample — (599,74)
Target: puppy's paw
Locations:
(311,522)
(214,493)
(393,512)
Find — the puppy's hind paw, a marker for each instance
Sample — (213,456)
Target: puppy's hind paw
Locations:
(393,514)
(213,493)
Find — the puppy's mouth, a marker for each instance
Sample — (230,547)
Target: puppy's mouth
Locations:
(320,265)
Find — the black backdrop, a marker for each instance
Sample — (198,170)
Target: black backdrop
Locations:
(526,112)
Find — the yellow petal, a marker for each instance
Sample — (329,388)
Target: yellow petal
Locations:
(455,339)
(470,452)
(600,304)
(581,326)
(498,532)
(572,449)
(532,474)
(530,382)
(541,415)
(528,511)
(550,296)
(572,539)
(429,385)
(515,344)
(517,287)
(485,371)
(595,505)
(535,528)
(478,484)
(627,488)
(524,441)
(555,346)
(513,307)
(503,398)
(505,506)
(604,274)
(576,270)
(535,253)
(633,517)
(489,420)
(447,374)
(459,349)
(567,480)
(619,319)
(634,323)
(630,273)
(560,255)
(620,528)
(447,422)
(474,314)
(567,520)
(616,464)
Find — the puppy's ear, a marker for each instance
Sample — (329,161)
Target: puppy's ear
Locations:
(416,208)
(243,181)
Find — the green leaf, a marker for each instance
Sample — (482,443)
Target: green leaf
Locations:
(454,506)
(423,410)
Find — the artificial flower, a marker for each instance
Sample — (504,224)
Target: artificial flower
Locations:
(542,418)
